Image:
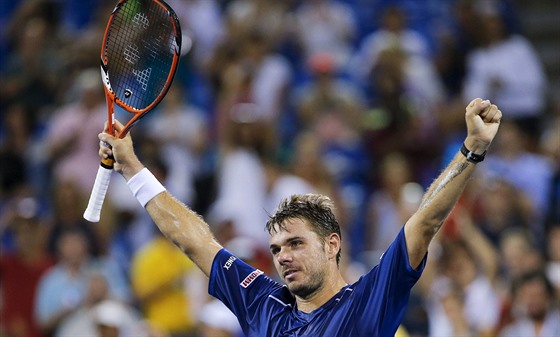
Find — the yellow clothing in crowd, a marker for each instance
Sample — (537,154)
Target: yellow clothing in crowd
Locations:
(157,275)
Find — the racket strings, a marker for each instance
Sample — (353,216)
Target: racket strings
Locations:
(139,50)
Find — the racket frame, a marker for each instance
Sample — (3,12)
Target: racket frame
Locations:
(110,93)
(103,177)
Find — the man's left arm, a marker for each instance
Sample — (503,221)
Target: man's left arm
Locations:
(483,119)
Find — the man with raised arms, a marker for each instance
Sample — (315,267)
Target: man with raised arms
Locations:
(305,242)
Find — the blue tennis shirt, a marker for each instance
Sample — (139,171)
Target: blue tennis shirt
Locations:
(373,306)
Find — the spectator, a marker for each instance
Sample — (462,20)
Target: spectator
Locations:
(537,313)
(64,287)
(32,71)
(114,319)
(241,179)
(21,270)
(454,42)
(281,180)
(266,16)
(308,163)
(399,119)
(202,22)
(158,274)
(343,154)
(394,33)
(81,322)
(394,39)
(519,254)
(68,204)
(462,298)
(268,73)
(326,27)
(218,321)
(182,133)
(393,201)
(501,206)
(251,76)
(70,141)
(15,152)
(529,172)
(17,129)
(325,92)
(507,69)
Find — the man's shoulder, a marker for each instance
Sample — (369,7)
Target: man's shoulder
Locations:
(280,297)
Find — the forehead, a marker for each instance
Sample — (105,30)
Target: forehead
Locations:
(294,227)
(533,286)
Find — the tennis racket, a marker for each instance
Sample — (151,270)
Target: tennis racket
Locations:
(139,56)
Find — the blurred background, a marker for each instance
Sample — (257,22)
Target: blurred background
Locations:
(362,100)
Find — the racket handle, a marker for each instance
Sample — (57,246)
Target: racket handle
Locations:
(102,179)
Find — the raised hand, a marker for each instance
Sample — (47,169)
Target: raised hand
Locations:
(483,120)
(126,162)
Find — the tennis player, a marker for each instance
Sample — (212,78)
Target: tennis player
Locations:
(305,241)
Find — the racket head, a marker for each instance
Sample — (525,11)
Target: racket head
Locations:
(139,57)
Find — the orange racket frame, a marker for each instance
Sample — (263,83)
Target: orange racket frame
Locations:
(99,190)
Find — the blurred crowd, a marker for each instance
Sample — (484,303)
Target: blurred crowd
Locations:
(362,100)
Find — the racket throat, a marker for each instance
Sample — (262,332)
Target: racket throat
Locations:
(108,163)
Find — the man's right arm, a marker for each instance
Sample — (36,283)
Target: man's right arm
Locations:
(181,225)
(483,120)
(186,229)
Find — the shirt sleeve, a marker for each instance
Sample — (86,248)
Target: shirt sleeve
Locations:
(242,288)
(383,292)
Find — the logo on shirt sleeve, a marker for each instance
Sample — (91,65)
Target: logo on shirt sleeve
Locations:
(250,278)
(229,262)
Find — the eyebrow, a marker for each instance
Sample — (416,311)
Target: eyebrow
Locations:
(288,240)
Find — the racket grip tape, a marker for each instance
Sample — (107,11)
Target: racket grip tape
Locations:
(102,179)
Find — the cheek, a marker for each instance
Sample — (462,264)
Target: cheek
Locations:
(276,265)
(314,257)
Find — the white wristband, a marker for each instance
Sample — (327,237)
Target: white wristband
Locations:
(145,186)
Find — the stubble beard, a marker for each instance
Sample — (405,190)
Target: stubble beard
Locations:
(307,288)
(538,315)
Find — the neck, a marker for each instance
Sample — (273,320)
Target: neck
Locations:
(74,268)
(538,326)
(327,291)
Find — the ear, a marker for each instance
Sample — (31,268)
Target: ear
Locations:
(332,244)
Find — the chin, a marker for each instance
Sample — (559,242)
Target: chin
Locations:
(302,290)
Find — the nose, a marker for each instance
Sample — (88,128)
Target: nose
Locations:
(284,256)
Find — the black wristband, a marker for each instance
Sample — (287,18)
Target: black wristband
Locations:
(471,156)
